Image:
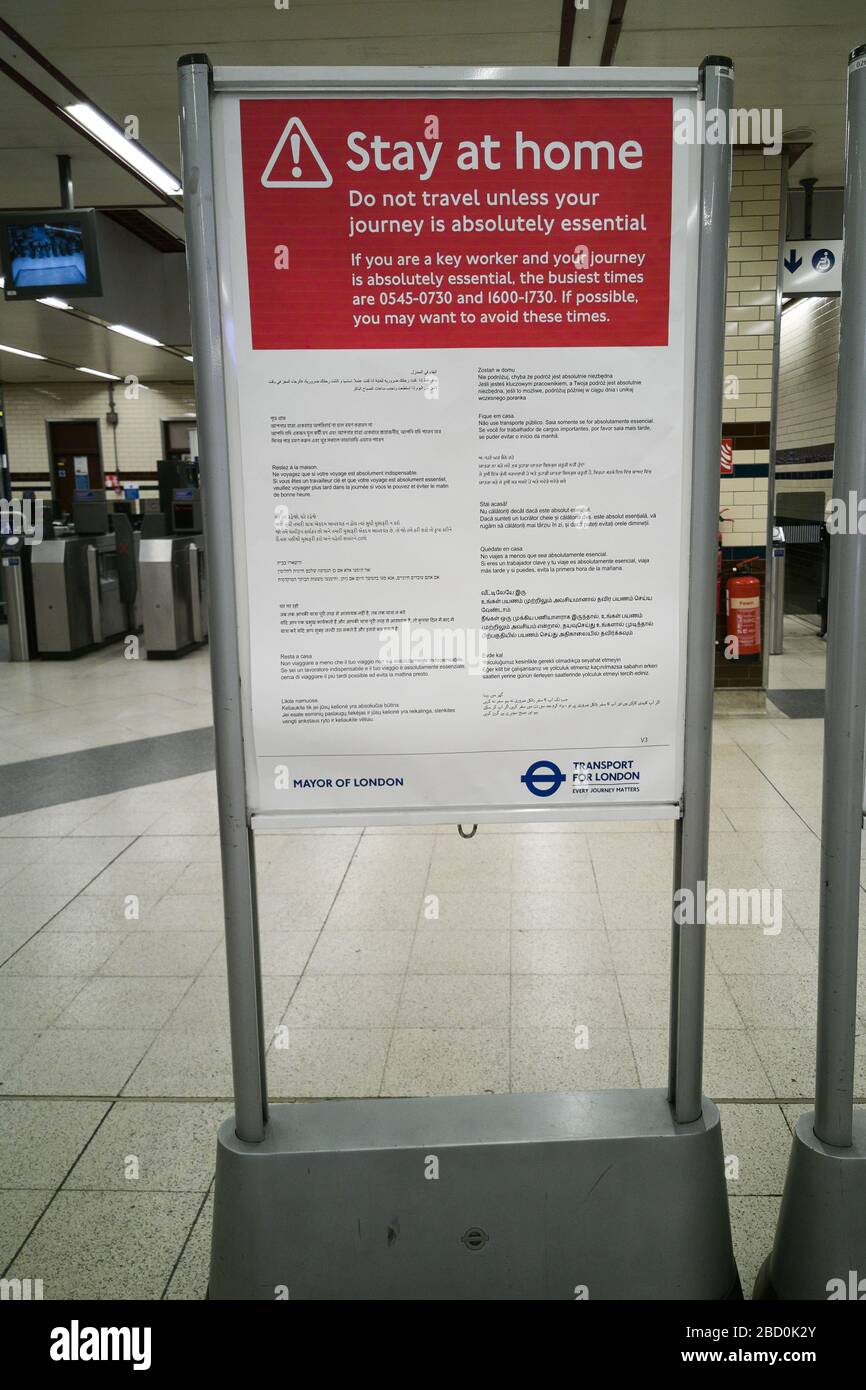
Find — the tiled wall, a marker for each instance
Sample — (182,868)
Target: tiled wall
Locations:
(809,357)
(753,258)
(753,255)
(745,506)
(806,428)
(138,434)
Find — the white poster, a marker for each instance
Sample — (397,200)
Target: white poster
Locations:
(458,337)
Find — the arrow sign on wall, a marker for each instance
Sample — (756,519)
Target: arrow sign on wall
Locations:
(812,267)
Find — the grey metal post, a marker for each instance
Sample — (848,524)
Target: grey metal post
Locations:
(774,411)
(688,956)
(64,174)
(845,714)
(241,927)
(776,596)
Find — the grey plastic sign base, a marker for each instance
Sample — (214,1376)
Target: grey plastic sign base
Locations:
(598,1196)
(820,1246)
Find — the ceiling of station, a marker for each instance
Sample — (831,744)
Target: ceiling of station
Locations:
(77,341)
(124,57)
(788,54)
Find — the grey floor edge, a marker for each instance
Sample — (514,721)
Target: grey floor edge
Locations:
(798,704)
(36,783)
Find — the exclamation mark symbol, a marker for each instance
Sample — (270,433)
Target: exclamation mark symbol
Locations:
(295,141)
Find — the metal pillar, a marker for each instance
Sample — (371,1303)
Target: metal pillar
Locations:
(821,1235)
(64,175)
(688,954)
(845,710)
(241,924)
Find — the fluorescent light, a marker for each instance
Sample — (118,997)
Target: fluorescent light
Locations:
(129,151)
(2,282)
(19,352)
(187,358)
(91,371)
(134,333)
(53,303)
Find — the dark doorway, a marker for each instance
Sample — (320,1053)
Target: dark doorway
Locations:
(68,441)
(801,516)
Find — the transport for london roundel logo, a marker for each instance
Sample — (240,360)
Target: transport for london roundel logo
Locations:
(543,778)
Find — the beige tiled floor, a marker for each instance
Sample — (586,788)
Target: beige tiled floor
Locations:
(394,963)
(100,699)
(802,662)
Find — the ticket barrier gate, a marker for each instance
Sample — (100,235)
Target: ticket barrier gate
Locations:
(17,588)
(80,593)
(173,579)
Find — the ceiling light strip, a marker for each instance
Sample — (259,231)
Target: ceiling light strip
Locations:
(90,119)
(32,90)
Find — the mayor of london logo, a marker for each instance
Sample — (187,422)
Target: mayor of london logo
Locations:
(543,778)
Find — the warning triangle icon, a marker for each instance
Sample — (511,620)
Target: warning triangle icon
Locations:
(295,162)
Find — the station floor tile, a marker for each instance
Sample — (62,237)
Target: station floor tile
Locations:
(397,960)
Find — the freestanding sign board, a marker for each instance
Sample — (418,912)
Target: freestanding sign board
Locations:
(462,335)
(458,338)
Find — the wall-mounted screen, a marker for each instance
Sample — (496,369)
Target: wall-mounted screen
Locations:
(49,253)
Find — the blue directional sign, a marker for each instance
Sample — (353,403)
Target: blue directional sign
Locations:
(812,267)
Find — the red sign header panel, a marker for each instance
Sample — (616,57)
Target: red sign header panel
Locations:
(451,222)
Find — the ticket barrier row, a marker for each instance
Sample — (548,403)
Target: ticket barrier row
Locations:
(67,590)
(97,579)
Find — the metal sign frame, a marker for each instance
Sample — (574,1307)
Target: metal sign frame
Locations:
(390,83)
(713,84)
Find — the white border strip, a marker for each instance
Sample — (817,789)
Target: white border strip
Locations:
(471,81)
(279,822)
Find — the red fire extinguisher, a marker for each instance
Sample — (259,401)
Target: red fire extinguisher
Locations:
(743,595)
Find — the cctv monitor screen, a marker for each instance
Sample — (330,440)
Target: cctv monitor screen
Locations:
(49,254)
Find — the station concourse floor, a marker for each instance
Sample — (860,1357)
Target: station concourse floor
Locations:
(114,1060)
